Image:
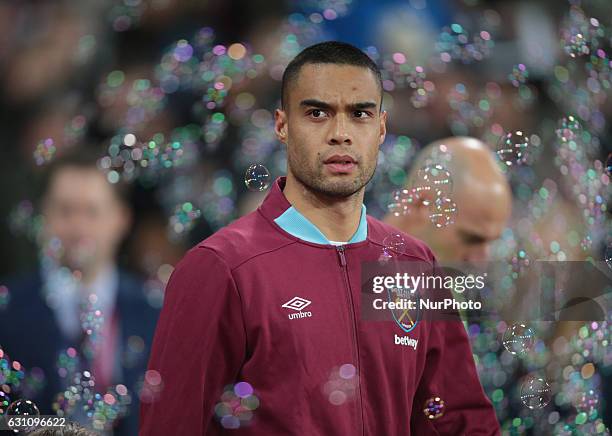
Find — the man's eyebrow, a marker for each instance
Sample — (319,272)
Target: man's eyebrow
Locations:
(312,102)
(363,105)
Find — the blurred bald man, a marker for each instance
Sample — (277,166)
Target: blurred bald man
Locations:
(480,191)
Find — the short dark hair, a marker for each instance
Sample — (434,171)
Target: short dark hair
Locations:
(328,52)
(85,158)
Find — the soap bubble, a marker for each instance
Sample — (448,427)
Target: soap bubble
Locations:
(608,256)
(394,244)
(23,408)
(513,147)
(518,338)
(257,178)
(569,128)
(535,392)
(402,201)
(443,212)
(434,178)
(609,165)
(434,408)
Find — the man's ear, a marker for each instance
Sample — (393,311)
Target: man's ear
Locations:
(383,127)
(280,125)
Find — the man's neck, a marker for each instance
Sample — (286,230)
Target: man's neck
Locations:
(337,218)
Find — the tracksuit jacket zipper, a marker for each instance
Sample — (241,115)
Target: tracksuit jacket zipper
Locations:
(355,348)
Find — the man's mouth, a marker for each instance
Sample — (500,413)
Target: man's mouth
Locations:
(340,163)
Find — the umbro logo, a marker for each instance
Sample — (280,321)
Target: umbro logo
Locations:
(297,304)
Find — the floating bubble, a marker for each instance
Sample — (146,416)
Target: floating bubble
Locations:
(569,128)
(394,244)
(257,178)
(434,178)
(402,201)
(576,45)
(608,256)
(433,408)
(23,408)
(609,165)
(586,243)
(443,212)
(519,75)
(535,392)
(513,147)
(454,43)
(518,339)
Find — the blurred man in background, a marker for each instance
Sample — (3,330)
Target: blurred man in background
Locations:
(480,191)
(79,304)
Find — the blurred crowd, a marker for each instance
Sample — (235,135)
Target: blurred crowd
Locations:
(166,103)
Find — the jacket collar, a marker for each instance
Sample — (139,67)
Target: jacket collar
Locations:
(277,208)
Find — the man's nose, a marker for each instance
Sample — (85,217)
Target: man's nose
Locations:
(339,131)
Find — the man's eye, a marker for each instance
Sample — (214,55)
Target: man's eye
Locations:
(317,113)
(361,114)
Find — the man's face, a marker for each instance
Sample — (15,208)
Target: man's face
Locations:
(332,127)
(481,219)
(84,213)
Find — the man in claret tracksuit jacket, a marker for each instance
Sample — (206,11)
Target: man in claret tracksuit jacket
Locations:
(273,299)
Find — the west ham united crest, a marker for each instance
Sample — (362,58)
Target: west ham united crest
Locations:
(408,314)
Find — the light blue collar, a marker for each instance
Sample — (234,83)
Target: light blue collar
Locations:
(299,226)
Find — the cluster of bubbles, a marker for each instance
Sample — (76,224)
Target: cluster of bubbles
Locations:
(44,151)
(454,44)
(397,73)
(520,263)
(519,75)
(207,69)
(581,35)
(142,99)
(183,218)
(127,158)
(342,384)
(237,405)
(434,407)
(257,178)
(432,187)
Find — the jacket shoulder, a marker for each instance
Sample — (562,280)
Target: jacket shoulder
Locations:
(378,231)
(245,238)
